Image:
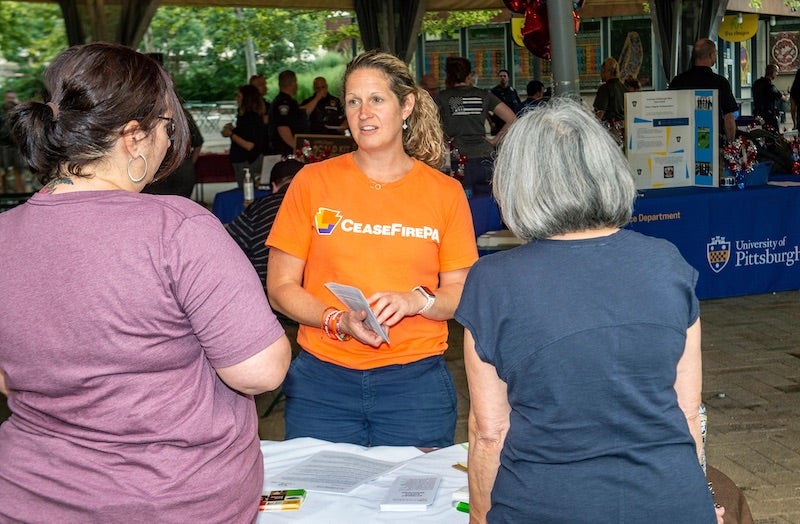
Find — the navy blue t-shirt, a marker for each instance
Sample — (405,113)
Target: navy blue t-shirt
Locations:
(587,335)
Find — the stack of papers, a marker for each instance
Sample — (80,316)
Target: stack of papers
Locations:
(411,493)
(332,472)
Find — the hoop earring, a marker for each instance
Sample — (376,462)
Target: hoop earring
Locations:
(137,180)
(405,125)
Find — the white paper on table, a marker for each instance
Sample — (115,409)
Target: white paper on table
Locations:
(411,493)
(332,472)
(353,298)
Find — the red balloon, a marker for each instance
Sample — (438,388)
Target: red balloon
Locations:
(535,29)
(537,45)
(536,32)
(535,21)
(516,6)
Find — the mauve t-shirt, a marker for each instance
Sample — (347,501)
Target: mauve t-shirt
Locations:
(116,307)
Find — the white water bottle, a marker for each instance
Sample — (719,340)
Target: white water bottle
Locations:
(249,190)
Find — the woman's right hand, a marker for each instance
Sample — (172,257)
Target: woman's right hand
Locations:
(352,323)
(227,130)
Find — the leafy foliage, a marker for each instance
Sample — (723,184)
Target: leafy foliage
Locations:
(31,34)
(204,48)
(451,22)
(791,4)
(444,23)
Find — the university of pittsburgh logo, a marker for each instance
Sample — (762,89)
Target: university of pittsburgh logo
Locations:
(326,220)
(718,252)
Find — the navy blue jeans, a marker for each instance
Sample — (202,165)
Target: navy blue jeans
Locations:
(478,175)
(400,405)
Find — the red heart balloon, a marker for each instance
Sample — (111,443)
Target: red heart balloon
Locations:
(535,31)
(516,6)
(536,45)
(535,21)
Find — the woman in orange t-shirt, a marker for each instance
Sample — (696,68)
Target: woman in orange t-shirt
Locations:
(382,219)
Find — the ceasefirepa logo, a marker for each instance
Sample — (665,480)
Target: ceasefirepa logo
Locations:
(326,220)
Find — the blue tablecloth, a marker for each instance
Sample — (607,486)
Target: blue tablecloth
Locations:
(485,214)
(229,204)
(742,242)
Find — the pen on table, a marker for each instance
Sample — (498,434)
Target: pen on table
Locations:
(463,507)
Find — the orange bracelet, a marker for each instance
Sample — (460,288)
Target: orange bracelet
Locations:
(325,321)
(330,324)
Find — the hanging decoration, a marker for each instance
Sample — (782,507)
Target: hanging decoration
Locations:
(795,147)
(740,159)
(307,156)
(535,29)
(458,162)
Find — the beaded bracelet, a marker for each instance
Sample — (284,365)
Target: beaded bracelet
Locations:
(337,328)
(329,313)
(330,328)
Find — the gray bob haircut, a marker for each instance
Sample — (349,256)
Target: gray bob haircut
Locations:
(558,170)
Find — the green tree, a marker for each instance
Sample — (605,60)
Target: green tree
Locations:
(444,23)
(31,34)
(204,48)
(450,23)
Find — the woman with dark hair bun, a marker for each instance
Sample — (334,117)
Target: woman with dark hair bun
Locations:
(134,330)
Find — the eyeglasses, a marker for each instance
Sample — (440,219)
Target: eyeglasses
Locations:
(170,127)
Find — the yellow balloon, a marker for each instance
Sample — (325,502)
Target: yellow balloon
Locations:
(731,30)
(516,30)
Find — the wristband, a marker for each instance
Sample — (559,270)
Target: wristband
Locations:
(429,297)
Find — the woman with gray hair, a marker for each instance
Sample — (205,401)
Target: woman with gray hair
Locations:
(582,347)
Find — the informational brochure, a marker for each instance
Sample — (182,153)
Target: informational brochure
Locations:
(353,298)
(332,472)
(411,493)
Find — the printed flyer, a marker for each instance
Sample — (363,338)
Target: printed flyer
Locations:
(672,138)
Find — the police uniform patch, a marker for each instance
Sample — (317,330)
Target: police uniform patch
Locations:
(283,110)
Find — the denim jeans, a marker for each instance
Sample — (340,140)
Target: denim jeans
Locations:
(478,175)
(399,405)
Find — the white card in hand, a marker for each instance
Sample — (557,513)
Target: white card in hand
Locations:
(353,298)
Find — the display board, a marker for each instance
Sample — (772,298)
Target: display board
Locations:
(672,138)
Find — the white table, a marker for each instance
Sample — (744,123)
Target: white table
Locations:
(362,504)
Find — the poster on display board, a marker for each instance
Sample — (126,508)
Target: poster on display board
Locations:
(672,138)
